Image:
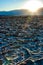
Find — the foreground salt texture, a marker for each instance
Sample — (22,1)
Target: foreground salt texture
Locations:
(21,40)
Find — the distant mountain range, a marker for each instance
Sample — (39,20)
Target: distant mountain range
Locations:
(39,11)
(15,12)
(20,12)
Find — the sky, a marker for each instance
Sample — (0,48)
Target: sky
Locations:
(6,5)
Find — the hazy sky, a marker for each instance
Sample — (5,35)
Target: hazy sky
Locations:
(12,4)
